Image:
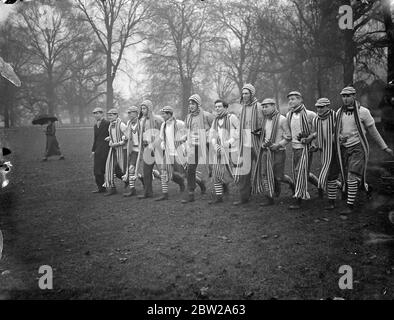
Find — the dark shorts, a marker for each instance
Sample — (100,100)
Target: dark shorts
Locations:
(279,158)
(353,159)
(133,156)
(335,169)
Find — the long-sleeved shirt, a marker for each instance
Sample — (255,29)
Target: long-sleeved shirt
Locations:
(283,134)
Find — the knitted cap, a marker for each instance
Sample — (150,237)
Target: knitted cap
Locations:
(148,104)
(348,90)
(294,93)
(250,87)
(196,98)
(322,102)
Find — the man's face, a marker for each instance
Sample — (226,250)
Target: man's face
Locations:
(132,115)
(112,116)
(348,99)
(246,95)
(166,115)
(144,111)
(219,108)
(321,110)
(268,109)
(294,101)
(98,115)
(193,106)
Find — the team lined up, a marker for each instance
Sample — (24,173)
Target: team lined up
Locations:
(251,150)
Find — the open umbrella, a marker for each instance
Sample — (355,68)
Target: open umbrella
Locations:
(6,151)
(43,119)
(8,72)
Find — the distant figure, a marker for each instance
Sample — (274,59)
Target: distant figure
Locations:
(52,146)
(100,148)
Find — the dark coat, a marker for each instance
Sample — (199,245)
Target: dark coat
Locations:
(100,147)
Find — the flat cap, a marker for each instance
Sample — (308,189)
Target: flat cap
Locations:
(98,110)
(322,102)
(112,111)
(133,109)
(348,90)
(268,101)
(294,93)
(167,109)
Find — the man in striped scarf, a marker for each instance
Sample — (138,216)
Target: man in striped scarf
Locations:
(150,141)
(116,160)
(133,150)
(249,145)
(275,135)
(223,136)
(324,130)
(198,122)
(353,122)
(300,123)
(172,162)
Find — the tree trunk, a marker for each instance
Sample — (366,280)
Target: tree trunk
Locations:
(50,93)
(348,63)
(389,26)
(110,80)
(186,93)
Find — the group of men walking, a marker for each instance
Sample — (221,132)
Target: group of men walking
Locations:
(250,151)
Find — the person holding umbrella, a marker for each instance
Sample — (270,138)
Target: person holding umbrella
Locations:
(52,145)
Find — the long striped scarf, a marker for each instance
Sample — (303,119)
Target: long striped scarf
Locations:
(130,132)
(363,140)
(255,139)
(169,166)
(202,138)
(325,143)
(258,184)
(301,180)
(118,151)
(219,168)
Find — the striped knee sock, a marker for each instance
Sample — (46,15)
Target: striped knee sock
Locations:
(131,181)
(219,189)
(352,187)
(164,183)
(332,187)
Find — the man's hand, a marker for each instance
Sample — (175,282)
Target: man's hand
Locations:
(275,147)
(107,139)
(343,139)
(306,140)
(111,144)
(389,152)
(313,149)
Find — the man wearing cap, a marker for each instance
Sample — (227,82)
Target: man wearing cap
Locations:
(198,123)
(150,143)
(323,131)
(275,135)
(116,160)
(353,122)
(300,122)
(100,148)
(133,150)
(223,136)
(172,163)
(249,145)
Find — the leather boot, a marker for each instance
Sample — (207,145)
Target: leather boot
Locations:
(218,199)
(296,205)
(348,210)
(190,198)
(269,202)
(163,197)
(201,184)
(130,193)
(110,192)
(330,206)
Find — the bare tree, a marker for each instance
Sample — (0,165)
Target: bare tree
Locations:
(116,24)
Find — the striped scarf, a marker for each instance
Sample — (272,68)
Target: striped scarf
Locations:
(202,138)
(301,180)
(325,143)
(255,139)
(178,146)
(130,146)
(363,140)
(118,151)
(219,169)
(258,184)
